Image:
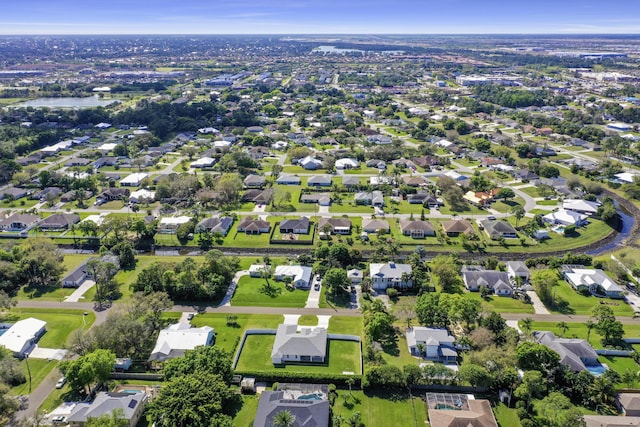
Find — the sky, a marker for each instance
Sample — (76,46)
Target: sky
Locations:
(320,17)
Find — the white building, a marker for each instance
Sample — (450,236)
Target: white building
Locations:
(179,337)
(301,275)
(169,225)
(106,147)
(308,345)
(563,217)
(142,195)
(390,274)
(22,336)
(205,162)
(347,163)
(133,180)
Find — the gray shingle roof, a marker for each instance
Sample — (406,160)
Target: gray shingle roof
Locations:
(307,342)
(307,413)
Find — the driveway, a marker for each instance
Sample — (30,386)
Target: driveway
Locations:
(538,306)
(78,294)
(47,353)
(313,300)
(226,301)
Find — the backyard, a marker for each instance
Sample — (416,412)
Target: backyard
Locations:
(255,292)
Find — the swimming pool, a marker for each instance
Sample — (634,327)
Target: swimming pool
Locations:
(312,396)
(596,370)
(132,391)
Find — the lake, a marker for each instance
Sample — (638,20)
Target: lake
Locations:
(86,102)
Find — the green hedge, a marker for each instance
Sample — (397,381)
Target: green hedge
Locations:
(299,377)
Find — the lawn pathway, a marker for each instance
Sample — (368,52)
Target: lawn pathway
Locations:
(226,301)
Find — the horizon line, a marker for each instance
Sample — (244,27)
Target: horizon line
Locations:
(322,34)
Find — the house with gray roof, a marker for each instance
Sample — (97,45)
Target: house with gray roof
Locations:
(319,181)
(131,404)
(497,229)
(416,229)
(390,274)
(629,404)
(577,354)
(431,343)
(306,412)
(295,226)
(288,180)
(375,225)
(497,281)
(254,181)
(306,345)
(215,224)
(335,225)
(13,192)
(19,222)
(58,222)
(455,227)
(518,269)
(373,198)
(593,279)
(350,181)
(323,199)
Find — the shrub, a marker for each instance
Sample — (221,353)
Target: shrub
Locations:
(392,293)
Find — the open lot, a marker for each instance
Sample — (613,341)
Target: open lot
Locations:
(255,292)
(228,336)
(343,356)
(575,303)
(382,409)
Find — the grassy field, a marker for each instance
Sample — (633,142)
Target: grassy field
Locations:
(40,368)
(576,303)
(579,330)
(60,323)
(228,336)
(382,409)
(621,365)
(343,356)
(506,417)
(246,415)
(503,304)
(253,292)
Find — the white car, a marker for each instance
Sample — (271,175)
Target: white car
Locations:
(61,382)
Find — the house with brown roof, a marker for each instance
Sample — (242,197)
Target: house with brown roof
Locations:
(335,225)
(19,222)
(459,410)
(413,181)
(373,225)
(58,222)
(456,227)
(417,229)
(295,226)
(250,225)
(629,404)
(254,181)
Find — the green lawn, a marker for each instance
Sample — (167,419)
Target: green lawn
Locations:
(547,202)
(503,304)
(579,330)
(382,409)
(228,336)
(39,368)
(253,292)
(344,356)
(506,417)
(576,303)
(621,365)
(60,323)
(531,191)
(347,206)
(246,415)
(507,206)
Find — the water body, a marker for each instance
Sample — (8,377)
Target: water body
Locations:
(333,49)
(86,102)
(625,231)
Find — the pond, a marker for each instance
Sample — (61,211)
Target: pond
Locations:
(625,231)
(69,102)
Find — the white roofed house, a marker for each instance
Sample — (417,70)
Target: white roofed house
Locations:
(347,163)
(174,340)
(581,206)
(431,343)
(593,279)
(142,196)
(390,275)
(308,345)
(204,162)
(105,403)
(300,275)
(565,217)
(169,225)
(134,179)
(21,337)
(518,269)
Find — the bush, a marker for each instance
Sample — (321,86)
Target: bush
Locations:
(300,377)
(392,293)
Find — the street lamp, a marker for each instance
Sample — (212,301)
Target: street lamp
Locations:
(26,361)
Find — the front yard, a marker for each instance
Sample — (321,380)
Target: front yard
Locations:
(255,292)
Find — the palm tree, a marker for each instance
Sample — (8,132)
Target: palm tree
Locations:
(563,326)
(590,325)
(284,419)
(526,324)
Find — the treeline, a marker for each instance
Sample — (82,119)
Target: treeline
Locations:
(517,98)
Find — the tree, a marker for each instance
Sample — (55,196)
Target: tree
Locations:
(476,375)
(229,186)
(126,255)
(8,404)
(284,419)
(606,324)
(544,283)
(194,400)
(505,193)
(526,324)
(40,262)
(103,274)
(590,325)
(445,269)
(93,367)
(378,326)
(533,386)
(201,360)
(564,327)
(534,356)
(336,281)
(114,419)
(518,212)
(6,302)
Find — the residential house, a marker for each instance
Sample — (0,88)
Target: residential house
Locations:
(76,277)
(417,229)
(257,153)
(111,194)
(376,163)
(295,226)
(142,196)
(585,207)
(250,225)
(300,275)
(319,181)
(169,225)
(431,343)
(259,197)
(518,269)
(174,340)
(379,139)
(78,161)
(308,345)
(285,179)
(13,193)
(610,421)
(414,181)
(310,163)
(347,163)
(375,225)
(71,196)
(481,198)
(355,276)
(456,227)
(525,175)
(130,405)
(350,181)
(565,217)
(134,179)
(202,163)
(19,222)
(454,410)
(254,181)
(390,274)
(323,199)
(22,336)
(215,224)
(259,270)
(373,198)
(497,229)
(335,225)
(593,279)
(629,404)
(576,354)
(496,281)
(49,193)
(58,222)
(306,412)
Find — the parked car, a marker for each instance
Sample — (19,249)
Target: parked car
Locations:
(58,419)
(317,286)
(61,382)
(190,316)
